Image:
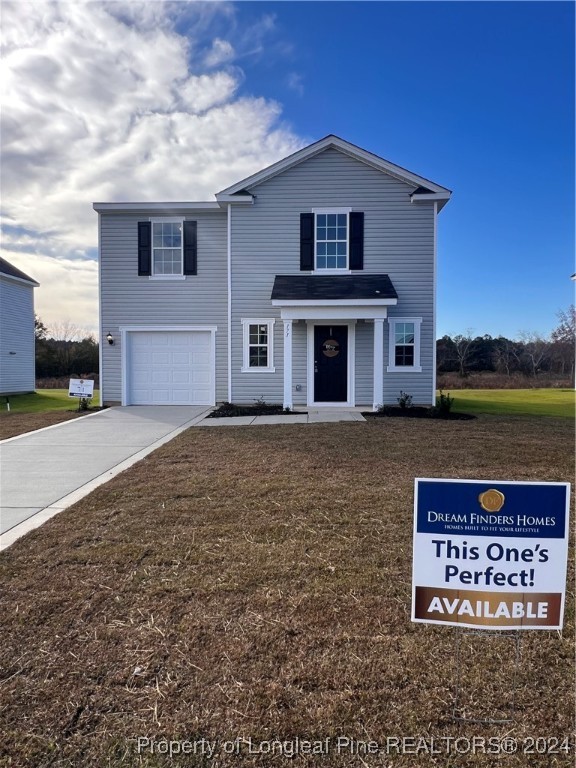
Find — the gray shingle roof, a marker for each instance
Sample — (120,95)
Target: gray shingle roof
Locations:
(8,269)
(332,287)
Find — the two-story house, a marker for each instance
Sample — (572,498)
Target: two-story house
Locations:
(310,283)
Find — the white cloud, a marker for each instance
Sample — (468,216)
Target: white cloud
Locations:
(111,101)
(295,82)
(220,53)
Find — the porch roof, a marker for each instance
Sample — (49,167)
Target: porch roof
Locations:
(349,288)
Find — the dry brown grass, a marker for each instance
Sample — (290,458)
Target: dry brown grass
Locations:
(13,423)
(255,582)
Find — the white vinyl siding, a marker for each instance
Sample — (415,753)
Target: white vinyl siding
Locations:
(265,241)
(17,363)
(398,241)
(364,369)
(129,300)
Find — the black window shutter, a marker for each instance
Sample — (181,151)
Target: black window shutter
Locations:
(307,241)
(144,248)
(190,247)
(357,240)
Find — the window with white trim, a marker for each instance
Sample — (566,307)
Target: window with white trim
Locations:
(167,247)
(405,344)
(258,345)
(331,239)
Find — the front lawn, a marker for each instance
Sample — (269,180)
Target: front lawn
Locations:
(43,400)
(526,402)
(252,584)
(37,410)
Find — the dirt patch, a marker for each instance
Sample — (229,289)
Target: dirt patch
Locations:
(13,424)
(255,585)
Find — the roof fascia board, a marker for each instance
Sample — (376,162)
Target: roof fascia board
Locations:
(426,197)
(244,199)
(276,168)
(390,168)
(344,312)
(350,149)
(106,207)
(334,302)
(436,197)
(15,279)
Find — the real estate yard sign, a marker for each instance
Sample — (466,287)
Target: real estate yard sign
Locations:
(490,555)
(81,388)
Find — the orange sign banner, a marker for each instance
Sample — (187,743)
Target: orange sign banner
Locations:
(487,609)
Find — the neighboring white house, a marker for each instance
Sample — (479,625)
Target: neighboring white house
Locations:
(310,283)
(17,341)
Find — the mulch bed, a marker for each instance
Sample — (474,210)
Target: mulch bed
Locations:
(227,410)
(416,412)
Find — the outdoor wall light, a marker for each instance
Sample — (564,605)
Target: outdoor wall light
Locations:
(110,338)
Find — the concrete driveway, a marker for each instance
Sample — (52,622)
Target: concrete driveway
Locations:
(44,472)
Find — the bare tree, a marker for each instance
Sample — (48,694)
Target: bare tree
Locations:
(66,330)
(536,350)
(564,339)
(73,349)
(507,355)
(462,350)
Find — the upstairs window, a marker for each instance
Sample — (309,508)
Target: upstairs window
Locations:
(332,240)
(167,247)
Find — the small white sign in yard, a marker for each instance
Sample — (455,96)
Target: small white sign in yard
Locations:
(81,388)
(490,555)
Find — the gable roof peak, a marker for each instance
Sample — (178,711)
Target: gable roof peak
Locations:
(332,141)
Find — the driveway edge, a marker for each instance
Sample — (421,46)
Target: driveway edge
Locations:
(40,517)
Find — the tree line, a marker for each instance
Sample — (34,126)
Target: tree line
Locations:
(530,354)
(64,350)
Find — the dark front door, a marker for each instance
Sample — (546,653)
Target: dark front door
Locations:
(330,363)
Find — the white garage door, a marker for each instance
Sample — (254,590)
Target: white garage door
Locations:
(170,368)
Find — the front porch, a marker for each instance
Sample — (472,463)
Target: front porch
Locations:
(331,307)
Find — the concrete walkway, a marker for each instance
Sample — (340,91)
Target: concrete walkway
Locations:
(44,472)
(313,416)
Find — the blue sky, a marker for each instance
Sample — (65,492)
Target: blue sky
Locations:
(477,96)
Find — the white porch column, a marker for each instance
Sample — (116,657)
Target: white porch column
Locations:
(378,363)
(287,364)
